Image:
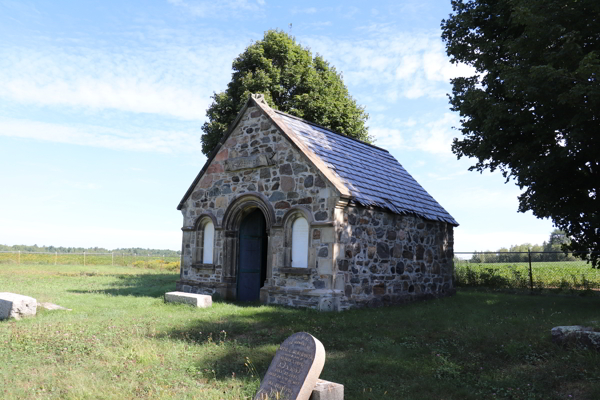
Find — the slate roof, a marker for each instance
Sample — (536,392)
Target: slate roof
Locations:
(372,175)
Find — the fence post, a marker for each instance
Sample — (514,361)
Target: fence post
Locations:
(530,271)
(84,258)
(112,258)
(55,257)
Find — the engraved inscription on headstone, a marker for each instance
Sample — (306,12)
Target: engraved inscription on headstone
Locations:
(259,160)
(294,370)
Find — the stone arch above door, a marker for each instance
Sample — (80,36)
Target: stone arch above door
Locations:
(242,204)
(236,211)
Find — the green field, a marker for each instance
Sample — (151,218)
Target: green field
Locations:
(556,276)
(81,259)
(120,341)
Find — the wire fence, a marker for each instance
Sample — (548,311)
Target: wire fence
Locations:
(533,271)
(123,259)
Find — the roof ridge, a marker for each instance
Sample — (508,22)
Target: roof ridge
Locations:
(329,130)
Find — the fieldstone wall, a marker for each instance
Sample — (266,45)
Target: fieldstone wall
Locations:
(386,258)
(357,257)
(257,158)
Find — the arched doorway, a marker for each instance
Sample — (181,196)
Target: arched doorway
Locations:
(252,261)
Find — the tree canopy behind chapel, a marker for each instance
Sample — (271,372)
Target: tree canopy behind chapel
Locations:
(291,81)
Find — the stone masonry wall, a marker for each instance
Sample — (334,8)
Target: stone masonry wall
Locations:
(290,181)
(386,258)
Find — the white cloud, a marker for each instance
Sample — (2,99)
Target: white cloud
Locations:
(399,64)
(220,8)
(436,136)
(388,138)
(174,80)
(309,10)
(433,137)
(96,136)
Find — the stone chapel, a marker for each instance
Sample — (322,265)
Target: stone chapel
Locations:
(287,212)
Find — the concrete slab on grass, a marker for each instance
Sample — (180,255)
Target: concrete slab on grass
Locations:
(196,300)
(16,306)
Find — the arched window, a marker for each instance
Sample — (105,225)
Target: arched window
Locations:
(300,243)
(205,240)
(208,242)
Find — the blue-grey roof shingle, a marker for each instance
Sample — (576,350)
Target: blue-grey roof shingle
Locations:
(372,175)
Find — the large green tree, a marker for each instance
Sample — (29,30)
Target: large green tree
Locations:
(532,109)
(291,81)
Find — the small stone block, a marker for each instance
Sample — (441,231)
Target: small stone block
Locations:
(196,300)
(16,306)
(325,390)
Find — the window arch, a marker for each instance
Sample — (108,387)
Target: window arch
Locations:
(208,243)
(300,230)
(204,243)
(296,252)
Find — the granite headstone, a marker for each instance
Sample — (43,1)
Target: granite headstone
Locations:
(295,369)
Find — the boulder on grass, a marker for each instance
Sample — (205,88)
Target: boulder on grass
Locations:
(576,334)
(16,306)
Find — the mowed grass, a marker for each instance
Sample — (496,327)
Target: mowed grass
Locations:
(120,341)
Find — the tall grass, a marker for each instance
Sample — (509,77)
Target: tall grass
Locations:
(122,259)
(562,276)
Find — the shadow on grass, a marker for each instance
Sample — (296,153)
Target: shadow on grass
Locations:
(142,285)
(245,331)
(456,345)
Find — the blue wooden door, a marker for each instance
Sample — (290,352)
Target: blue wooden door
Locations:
(252,261)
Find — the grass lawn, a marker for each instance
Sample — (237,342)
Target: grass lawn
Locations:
(122,342)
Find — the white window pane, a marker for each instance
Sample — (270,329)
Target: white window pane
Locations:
(209,237)
(300,243)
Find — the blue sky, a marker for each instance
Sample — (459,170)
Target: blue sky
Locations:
(101,105)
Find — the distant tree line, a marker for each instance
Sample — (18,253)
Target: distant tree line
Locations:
(552,250)
(52,249)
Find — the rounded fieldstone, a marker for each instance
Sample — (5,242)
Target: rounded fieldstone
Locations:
(420,252)
(282,205)
(276,196)
(400,268)
(265,173)
(383,250)
(319,284)
(308,181)
(319,182)
(299,168)
(321,216)
(323,252)
(197,195)
(351,219)
(285,169)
